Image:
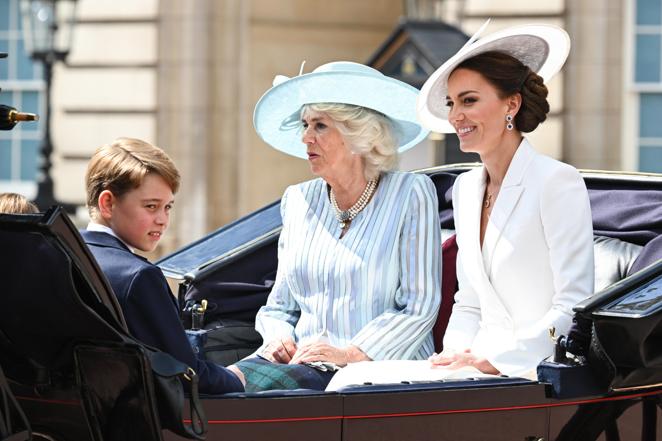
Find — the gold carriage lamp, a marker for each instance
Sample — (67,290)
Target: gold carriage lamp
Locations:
(9,117)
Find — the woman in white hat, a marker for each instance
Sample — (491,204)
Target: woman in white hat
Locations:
(360,253)
(523,220)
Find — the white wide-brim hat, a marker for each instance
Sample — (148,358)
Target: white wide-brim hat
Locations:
(277,117)
(543,48)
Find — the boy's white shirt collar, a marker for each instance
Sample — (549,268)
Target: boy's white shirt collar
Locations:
(93,226)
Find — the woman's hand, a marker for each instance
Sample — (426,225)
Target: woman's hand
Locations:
(326,352)
(455,360)
(280,350)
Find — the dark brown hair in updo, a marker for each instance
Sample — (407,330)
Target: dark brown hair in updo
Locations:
(510,76)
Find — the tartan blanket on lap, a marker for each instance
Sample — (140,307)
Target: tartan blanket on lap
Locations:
(263,375)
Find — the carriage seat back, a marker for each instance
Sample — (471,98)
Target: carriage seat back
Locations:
(448,289)
(613,260)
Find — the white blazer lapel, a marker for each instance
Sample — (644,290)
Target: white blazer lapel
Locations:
(478,271)
(509,195)
(474,268)
(472,204)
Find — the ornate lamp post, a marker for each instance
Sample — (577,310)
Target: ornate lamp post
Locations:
(48,28)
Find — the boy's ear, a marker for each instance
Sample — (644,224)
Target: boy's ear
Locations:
(106,203)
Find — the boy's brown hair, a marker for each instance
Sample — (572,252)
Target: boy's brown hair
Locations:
(121,167)
(16,204)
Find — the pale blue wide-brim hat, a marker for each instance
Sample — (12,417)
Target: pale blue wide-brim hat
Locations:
(277,116)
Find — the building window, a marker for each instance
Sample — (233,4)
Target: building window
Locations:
(648,82)
(23,88)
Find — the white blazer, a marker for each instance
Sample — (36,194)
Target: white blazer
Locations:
(535,265)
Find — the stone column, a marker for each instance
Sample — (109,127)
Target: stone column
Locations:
(198,93)
(593,84)
(229,82)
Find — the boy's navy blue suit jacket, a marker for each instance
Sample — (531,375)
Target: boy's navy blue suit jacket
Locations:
(150,310)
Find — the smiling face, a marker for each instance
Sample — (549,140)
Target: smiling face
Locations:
(140,216)
(327,151)
(477,112)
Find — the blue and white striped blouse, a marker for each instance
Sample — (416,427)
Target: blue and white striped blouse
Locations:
(377,288)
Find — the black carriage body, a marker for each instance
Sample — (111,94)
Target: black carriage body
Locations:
(244,253)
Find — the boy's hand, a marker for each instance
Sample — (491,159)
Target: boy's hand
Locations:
(235,370)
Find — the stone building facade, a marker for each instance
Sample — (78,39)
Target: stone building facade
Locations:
(186,75)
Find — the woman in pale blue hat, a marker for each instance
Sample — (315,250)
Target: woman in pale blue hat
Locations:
(360,253)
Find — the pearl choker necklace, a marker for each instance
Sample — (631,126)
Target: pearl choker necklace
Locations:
(346,216)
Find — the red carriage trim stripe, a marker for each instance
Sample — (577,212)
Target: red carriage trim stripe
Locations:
(49,401)
(433,412)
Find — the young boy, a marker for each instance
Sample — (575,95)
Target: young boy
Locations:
(130,192)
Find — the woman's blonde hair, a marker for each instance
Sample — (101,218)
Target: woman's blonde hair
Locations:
(367,133)
(14,203)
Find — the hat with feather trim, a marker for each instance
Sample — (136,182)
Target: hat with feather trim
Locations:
(543,48)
